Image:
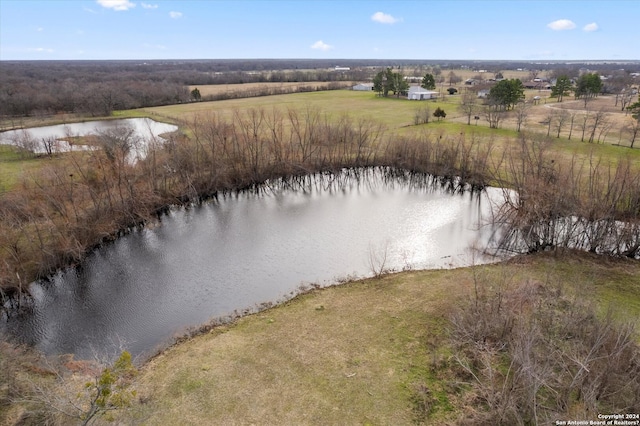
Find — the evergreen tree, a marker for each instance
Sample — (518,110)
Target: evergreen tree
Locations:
(428,82)
(378,83)
(439,113)
(588,86)
(562,88)
(195,94)
(389,81)
(506,93)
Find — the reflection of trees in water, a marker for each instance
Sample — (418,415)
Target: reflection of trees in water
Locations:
(76,204)
(578,203)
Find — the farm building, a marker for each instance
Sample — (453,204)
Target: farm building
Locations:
(539,85)
(418,93)
(363,86)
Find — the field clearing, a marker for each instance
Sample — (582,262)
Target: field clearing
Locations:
(236,89)
(393,113)
(351,354)
(14,165)
(467,73)
(397,117)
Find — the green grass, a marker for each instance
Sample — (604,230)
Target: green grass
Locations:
(14,164)
(397,115)
(394,113)
(353,354)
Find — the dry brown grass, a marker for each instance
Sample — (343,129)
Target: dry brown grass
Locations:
(343,355)
(236,89)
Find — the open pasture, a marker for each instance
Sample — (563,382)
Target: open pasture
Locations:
(397,116)
(250,89)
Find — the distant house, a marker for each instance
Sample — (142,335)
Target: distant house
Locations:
(538,85)
(483,93)
(417,93)
(363,86)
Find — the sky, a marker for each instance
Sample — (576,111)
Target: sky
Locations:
(315,29)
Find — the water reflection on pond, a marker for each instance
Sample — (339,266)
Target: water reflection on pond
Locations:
(210,260)
(31,138)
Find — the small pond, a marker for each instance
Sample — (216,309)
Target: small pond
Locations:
(233,253)
(144,129)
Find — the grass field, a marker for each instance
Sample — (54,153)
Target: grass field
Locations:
(240,89)
(352,354)
(397,116)
(13,165)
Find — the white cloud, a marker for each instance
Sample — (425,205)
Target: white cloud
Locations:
(148,6)
(384,18)
(561,24)
(41,49)
(591,27)
(321,45)
(175,15)
(116,4)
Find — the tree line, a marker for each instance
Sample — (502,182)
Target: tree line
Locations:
(97,89)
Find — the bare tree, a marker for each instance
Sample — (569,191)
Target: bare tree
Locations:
(626,96)
(107,389)
(572,119)
(25,142)
(378,258)
(422,115)
(584,124)
(453,78)
(469,105)
(633,130)
(548,119)
(598,121)
(560,120)
(498,335)
(494,115)
(49,144)
(521,111)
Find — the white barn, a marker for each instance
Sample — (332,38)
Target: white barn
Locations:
(418,93)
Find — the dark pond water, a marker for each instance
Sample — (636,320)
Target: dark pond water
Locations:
(210,260)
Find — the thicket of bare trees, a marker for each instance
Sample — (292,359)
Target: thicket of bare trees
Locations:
(574,203)
(70,206)
(534,353)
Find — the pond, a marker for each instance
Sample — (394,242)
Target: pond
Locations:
(32,138)
(234,253)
